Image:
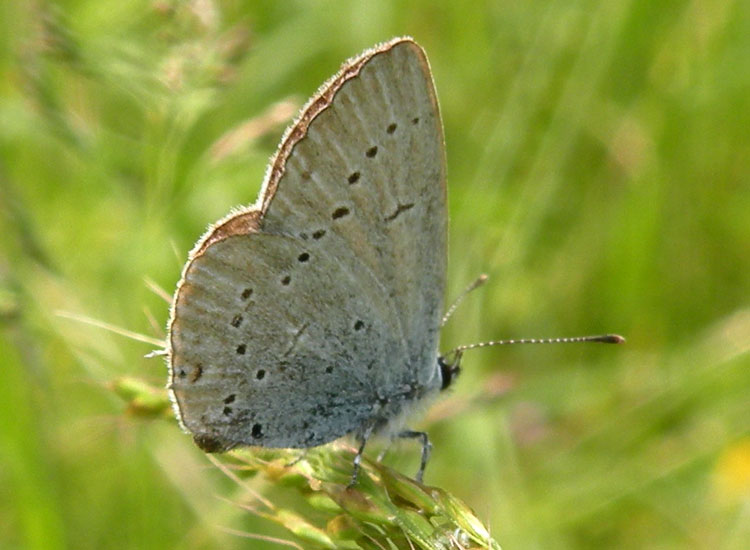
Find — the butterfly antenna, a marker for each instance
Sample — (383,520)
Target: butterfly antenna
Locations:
(473,286)
(600,338)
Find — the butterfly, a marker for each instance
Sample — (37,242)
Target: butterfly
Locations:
(315,312)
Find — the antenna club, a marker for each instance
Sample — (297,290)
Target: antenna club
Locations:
(479,281)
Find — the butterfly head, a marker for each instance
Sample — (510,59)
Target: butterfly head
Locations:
(450,366)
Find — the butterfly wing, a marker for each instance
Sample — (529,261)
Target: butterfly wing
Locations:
(317,309)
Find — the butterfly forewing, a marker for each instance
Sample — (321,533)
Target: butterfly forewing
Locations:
(296,322)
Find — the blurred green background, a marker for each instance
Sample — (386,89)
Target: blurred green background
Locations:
(599,172)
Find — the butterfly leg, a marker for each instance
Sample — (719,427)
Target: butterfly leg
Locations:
(426,448)
(358,457)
